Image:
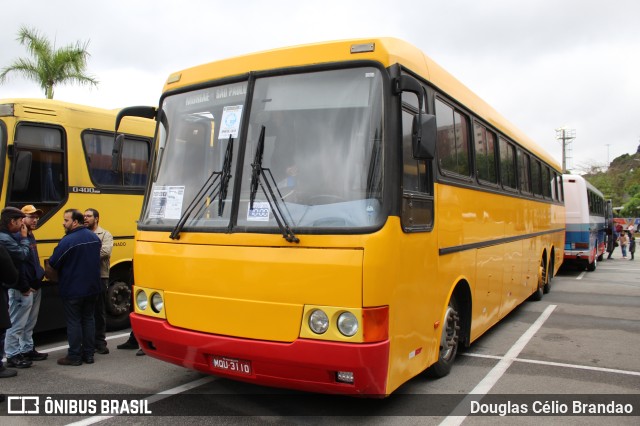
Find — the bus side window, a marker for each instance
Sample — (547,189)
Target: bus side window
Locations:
(453,140)
(46,180)
(507,164)
(524,167)
(485,150)
(135,160)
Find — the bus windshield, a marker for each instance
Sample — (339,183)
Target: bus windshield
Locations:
(320,164)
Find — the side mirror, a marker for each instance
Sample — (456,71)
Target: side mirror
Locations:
(22,170)
(134,111)
(424,135)
(424,128)
(116,153)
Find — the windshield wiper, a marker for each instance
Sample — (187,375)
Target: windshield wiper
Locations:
(218,178)
(226,175)
(256,174)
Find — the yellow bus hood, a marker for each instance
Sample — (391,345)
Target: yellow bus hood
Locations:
(247,291)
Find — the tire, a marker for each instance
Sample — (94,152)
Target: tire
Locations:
(542,277)
(547,287)
(118,302)
(449,341)
(592,266)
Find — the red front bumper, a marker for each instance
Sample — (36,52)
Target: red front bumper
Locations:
(308,365)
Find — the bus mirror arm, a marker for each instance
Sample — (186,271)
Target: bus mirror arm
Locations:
(424,125)
(134,111)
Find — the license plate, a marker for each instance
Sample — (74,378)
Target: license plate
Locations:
(231,365)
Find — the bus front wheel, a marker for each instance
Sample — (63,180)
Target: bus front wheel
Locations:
(448,341)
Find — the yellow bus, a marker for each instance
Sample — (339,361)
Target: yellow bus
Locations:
(336,217)
(58,155)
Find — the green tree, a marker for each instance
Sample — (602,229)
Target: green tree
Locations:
(49,66)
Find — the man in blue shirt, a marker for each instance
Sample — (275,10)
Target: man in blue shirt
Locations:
(75,264)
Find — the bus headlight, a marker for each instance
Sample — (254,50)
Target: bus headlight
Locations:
(156,302)
(141,300)
(347,324)
(318,321)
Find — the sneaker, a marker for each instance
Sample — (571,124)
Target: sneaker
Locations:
(18,362)
(68,361)
(5,372)
(34,355)
(129,345)
(102,350)
(140,352)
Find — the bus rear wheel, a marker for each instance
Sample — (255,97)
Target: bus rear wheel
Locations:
(547,287)
(542,281)
(118,303)
(448,341)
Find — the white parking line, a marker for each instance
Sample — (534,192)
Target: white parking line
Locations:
(560,364)
(579,277)
(498,370)
(60,348)
(153,398)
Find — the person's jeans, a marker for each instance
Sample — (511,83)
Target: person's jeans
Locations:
(81,326)
(101,315)
(26,343)
(624,250)
(19,310)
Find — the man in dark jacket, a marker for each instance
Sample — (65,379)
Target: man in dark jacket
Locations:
(8,275)
(24,306)
(11,222)
(75,264)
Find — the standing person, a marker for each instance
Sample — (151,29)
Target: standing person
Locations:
(632,245)
(24,303)
(132,343)
(8,276)
(91,221)
(11,223)
(75,264)
(612,242)
(623,240)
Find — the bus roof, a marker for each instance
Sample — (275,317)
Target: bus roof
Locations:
(55,111)
(387,51)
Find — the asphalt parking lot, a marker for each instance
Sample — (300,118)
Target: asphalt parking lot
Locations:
(579,345)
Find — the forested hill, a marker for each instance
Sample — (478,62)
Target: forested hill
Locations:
(620,183)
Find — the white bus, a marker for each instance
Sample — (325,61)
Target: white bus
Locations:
(586,217)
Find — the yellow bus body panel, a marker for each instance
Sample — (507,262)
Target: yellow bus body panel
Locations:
(251,292)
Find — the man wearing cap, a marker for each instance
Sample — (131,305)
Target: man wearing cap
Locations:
(11,223)
(24,306)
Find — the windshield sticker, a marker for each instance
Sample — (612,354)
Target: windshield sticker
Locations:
(166,202)
(260,212)
(230,122)
(230,91)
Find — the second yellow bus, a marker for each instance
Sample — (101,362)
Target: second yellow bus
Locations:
(336,217)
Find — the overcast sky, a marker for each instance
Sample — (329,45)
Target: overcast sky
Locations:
(543,64)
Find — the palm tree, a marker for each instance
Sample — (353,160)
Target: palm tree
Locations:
(50,66)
